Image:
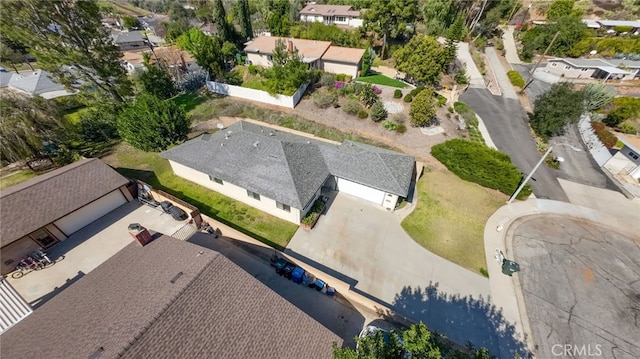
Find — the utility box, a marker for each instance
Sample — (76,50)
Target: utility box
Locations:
(140,234)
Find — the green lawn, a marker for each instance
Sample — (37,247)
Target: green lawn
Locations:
(15,178)
(255,83)
(379,79)
(189,101)
(155,170)
(450,217)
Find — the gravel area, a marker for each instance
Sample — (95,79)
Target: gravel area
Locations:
(413,142)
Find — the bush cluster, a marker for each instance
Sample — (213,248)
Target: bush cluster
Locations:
(351,107)
(608,139)
(441,99)
(401,128)
(389,125)
(324,99)
(327,79)
(378,111)
(515,78)
(416,91)
(408,98)
(625,108)
(397,93)
(343,77)
(363,114)
(377,90)
(480,164)
(253,69)
(629,129)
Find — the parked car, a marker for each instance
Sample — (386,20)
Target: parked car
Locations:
(176,212)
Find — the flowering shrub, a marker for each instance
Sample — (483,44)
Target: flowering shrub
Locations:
(339,85)
(377,90)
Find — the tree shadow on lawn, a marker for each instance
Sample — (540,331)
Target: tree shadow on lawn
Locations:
(189,101)
(151,179)
(461,319)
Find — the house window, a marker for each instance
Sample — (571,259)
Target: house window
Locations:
(567,67)
(633,155)
(341,18)
(216,180)
(253,195)
(284,207)
(584,70)
(269,57)
(43,238)
(553,64)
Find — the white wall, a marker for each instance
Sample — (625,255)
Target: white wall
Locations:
(559,69)
(390,201)
(265,204)
(355,22)
(340,68)
(256,95)
(259,60)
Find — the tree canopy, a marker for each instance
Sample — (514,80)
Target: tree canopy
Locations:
(157,82)
(555,109)
(288,72)
(27,124)
(245,19)
(278,20)
(207,50)
(152,124)
(560,8)
(571,29)
(391,19)
(130,22)
(220,19)
(68,33)
(422,58)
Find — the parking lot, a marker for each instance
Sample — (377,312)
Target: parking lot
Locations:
(88,248)
(581,287)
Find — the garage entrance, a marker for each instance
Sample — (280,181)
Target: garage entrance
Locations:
(360,191)
(89,213)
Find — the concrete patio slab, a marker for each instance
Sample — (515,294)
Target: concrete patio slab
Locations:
(88,248)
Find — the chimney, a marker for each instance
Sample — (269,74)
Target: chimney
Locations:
(140,234)
(289,46)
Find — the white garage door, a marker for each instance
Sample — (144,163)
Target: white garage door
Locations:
(358,190)
(89,213)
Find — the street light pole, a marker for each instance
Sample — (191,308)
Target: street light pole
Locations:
(524,183)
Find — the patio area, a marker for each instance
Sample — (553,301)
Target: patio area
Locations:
(88,248)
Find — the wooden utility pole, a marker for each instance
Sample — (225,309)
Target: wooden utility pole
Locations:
(530,79)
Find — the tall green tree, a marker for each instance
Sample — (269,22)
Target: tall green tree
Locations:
(423,109)
(130,22)
(220,19)
(454,34)
(391,19)
(555,109)
(157,82)
(571,29)
(151,124)
(287,73)
(245,20)
(68,32)
(421,58)
(11,56)
(278,21)
(560,8)
(438,16)
(26,125)
(205,49)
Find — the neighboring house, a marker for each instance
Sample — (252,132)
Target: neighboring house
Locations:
(168,299)
(626,162)
(174,59)
(283,173)
(209,29)
(331,15)
(36,83)
(614,69)
(110,22)
(47,209)
(318,54)
(132,61)
(129,40)
(610,25)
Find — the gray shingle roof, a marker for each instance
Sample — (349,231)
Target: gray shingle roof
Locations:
(169,299)
(35,83)
(287,167)
(127,36)
(39,201)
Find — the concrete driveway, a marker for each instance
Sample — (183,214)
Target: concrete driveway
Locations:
(88,248)
(364,245)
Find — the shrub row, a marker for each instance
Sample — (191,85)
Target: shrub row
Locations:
(608,139)
(480,164)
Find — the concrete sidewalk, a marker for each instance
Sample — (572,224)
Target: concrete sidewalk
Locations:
(506,291)
(509,43)
(464,55)
(500,73)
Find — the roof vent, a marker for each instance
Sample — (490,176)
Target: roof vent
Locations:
(221,144)
(270,133)
(255,144)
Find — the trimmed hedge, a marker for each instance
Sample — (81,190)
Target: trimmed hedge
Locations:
(515,78)
(397,93)
(475,162)
(408,98)
(608,139)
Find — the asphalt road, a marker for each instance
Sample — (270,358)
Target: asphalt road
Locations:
(507,123)
(537,87)
(580,287)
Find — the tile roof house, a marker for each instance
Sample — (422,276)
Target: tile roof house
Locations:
(283,173)
(168,299)
(36,83)
(129,40)
(331,15)
(66,199)
(318,54)
(614,69)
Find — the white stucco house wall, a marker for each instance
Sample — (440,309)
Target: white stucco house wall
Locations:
(283,173)
(612,69)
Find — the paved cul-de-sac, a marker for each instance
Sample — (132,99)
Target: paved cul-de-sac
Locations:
(581,287)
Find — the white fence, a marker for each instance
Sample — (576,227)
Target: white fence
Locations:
(257,95)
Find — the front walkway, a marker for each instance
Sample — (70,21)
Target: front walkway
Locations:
(500,73)
(364,245)
(509,43)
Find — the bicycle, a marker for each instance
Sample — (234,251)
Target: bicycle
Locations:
(42,258)
(26,265)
